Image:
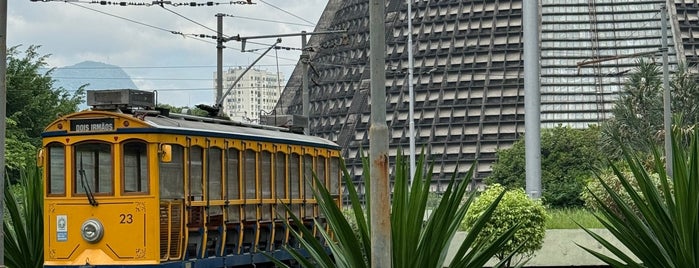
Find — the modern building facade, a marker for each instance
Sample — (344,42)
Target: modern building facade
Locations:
(255,94)
(468,71)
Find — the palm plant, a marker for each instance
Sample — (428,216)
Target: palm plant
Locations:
(24,228)
(416,242)
(661,228)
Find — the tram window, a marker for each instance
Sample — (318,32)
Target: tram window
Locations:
(308,182)
(93,168)
(334,183)
(250,183)
(135,167)
(320,169)
(265,171)
(280,175)
(307,176)
(294,176)
(233,176)
(172,175)
(56,168)
(214,174)
(195,173)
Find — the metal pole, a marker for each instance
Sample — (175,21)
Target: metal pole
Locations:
(532,98)
(3,115)
(219,58)
(411,94)
(305,95)
(378,140)
(667,121)
(220,102)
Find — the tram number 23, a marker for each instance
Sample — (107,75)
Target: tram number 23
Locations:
(126,218)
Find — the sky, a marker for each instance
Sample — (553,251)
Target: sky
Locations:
(139,39)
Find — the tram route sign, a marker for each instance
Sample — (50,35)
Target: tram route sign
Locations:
(92,125)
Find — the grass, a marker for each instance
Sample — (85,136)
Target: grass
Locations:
(567,219)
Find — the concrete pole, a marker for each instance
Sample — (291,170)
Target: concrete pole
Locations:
(3,115)
(532,97)
(667,120)
(411,94)
(305,95)
(381,255)
(219,58)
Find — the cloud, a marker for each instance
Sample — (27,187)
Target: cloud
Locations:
(139,37)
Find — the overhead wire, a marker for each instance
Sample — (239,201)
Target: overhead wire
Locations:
(287,12)
(191,20)
(153,3)
(266,20)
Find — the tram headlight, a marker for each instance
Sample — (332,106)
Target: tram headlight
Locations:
(92,230)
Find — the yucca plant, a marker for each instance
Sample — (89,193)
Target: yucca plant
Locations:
(23,225)
(416,242)
(664,229)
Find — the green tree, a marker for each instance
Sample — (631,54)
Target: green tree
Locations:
(568,156)
(32,100)
(515,209)
(638,113)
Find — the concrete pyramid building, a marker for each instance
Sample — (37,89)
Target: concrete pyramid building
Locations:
(468,79)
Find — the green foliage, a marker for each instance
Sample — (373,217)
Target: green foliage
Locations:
(638,113)
(572,219)
(184,110)
(19,152)
(664,229)
(416,243)
(515,209)
(568,156)
(32,102)
(23,224)
(597,193)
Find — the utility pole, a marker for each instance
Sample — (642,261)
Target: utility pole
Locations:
(532,98)
(667,120)
(3,115)
(411,93)
(305,95)
(381,249)
(219,59)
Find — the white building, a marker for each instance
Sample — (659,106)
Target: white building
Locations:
(256,93)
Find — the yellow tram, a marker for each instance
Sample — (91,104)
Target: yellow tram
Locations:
(126,185)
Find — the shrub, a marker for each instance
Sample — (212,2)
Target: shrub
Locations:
(664,230)
(612,181)
(23,224)
(515,209)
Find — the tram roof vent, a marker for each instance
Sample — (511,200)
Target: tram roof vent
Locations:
(120,98)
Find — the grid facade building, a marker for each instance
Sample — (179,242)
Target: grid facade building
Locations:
(468,72)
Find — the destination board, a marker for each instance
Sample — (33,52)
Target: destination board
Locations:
(92,125)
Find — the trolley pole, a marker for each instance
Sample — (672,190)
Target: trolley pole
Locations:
(3,115)
(381,248)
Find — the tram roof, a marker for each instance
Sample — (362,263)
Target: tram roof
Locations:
(193,125)
(235,130)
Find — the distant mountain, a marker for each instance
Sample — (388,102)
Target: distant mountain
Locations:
(98,75)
